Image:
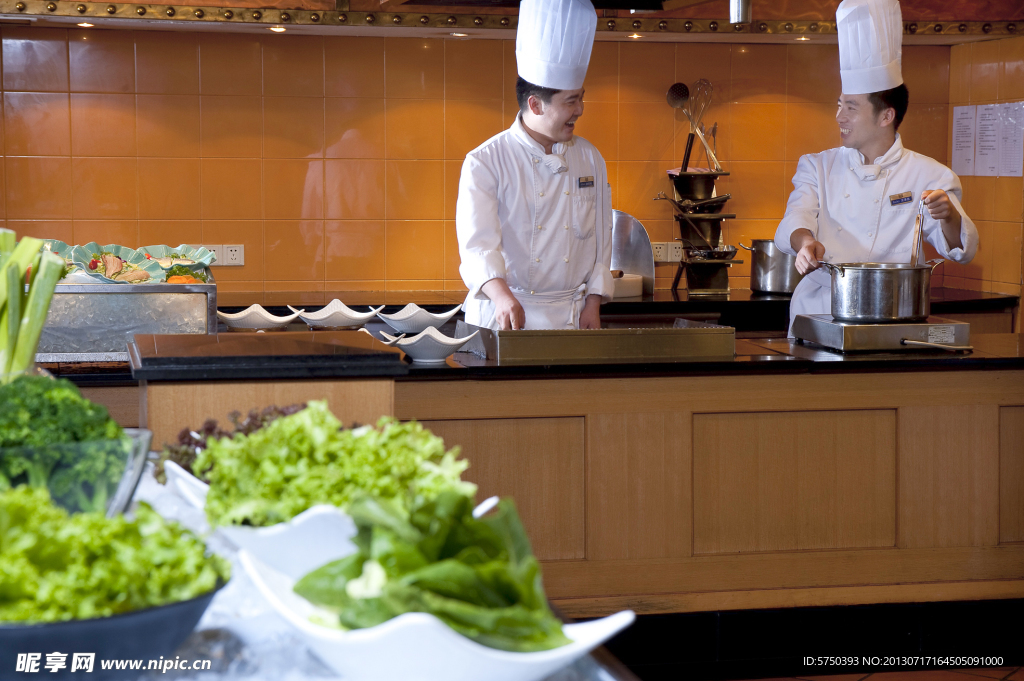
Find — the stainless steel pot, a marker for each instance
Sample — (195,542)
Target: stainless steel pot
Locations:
(772,271)
(876,293)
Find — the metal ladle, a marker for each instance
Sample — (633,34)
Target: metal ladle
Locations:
(678,97)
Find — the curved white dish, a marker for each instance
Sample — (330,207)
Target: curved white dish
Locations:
(417,646)
(255,317)
(428,347)
(414,319)
(336,315)
(315,537)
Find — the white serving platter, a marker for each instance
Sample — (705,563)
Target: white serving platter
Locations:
(429,346)
(336,315)
(414,319)
(255,317)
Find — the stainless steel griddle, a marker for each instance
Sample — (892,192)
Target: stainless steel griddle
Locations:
(934,333)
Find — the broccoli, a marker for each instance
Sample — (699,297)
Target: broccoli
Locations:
(51,436)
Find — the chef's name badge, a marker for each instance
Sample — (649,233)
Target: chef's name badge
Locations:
(897,199)
(586,181)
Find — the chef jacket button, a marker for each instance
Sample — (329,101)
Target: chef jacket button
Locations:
(839,229)
(536,160)
(871,233)
(846,195)
(566,193)
(565,259)
(567,226)
(538,259)
(542,194)
(531,293)
(539,227)
(876,200)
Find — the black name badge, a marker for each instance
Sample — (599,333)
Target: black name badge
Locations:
(586,181)
(897,199)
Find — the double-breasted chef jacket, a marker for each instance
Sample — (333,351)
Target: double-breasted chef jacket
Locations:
(542,222)
(866,212)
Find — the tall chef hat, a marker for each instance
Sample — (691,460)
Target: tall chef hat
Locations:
(553,42)
(870,45)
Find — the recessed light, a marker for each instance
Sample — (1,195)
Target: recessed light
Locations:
(803,37)
(278,29)
(635,36)
(459,35)
(85,25)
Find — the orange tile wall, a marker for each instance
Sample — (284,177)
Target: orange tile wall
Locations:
(335,160)
(986,73)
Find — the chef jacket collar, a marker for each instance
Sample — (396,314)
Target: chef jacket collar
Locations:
(555,160)
(872,171)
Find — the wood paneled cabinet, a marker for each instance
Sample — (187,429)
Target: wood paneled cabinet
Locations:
(709,493)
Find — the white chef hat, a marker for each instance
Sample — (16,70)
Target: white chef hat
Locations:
(870,45)
(553,42)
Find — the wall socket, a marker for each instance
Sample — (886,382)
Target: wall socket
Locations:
(667,251)
(234,254)
(217,250)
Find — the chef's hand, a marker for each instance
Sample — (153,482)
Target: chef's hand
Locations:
(808,256)
(590,317)
(507,310)
(938,204)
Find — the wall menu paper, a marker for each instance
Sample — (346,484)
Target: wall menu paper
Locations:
(1011,139)
(963,140)
(986,141)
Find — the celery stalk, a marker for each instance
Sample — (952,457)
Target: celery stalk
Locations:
(7,240)
(10,320)
(23,254)
(51,269)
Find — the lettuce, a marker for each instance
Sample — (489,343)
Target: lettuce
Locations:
(55,566)
(478,576)
(297,461)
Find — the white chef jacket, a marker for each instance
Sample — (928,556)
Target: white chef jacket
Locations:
(546,232)
(861,213)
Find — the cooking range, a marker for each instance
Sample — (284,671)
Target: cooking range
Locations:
(933,333)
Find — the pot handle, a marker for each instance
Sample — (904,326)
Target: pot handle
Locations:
(943,346)
(935,263)
(833,268)
(746,248)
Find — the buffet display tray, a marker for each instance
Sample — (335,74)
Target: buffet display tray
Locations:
(684,340)
(93,322)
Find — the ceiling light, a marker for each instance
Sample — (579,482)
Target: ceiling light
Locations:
(85,25)
(278,29)
(635,36)
(803,37)
(459,35)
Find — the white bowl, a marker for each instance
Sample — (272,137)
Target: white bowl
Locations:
(336,315)
(414,319)
(417,646)
(428,347)
(255,317)
(315,537)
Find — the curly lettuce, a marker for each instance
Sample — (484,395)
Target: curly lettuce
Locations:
(56,566)
(297,461)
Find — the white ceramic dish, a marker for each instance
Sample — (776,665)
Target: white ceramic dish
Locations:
(428,347)
(255,317)
(336,315)
(417,646)
(414,319)
(315,537)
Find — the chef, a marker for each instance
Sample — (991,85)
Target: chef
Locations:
(859,202)
(534,211)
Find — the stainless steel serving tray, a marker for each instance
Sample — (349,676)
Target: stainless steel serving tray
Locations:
(686,340)
(94,322)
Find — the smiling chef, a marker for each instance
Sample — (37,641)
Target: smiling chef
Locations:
(859,202)
(534,211)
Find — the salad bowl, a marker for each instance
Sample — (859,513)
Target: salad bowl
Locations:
(336,315)
(414,319)
(168,257)
(254,318)
(417,646)
(317,536)
(83,255)
(428,347)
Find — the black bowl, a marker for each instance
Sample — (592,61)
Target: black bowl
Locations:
(140,635)
(695,186)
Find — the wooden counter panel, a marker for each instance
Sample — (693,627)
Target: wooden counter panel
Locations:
(1011,474)
(121,401)
(785,481)
(537,462)
(948,476)
(638,486)
(169,407)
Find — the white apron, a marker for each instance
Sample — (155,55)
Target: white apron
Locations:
(557,310)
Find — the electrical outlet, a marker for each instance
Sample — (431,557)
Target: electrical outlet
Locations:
(218,252)
(659,251)
(675,251)
(234,254)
